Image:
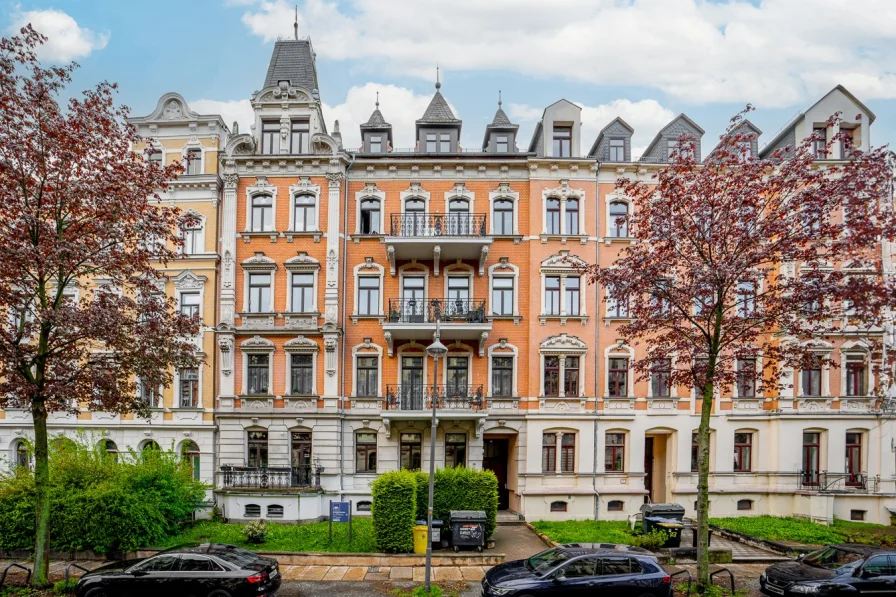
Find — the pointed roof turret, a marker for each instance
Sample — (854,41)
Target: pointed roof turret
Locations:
(376,120)
(500,122)
(438,111)
(293,60)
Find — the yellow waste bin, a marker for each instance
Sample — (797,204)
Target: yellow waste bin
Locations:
(420,538)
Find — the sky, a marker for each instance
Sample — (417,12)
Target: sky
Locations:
(643,60)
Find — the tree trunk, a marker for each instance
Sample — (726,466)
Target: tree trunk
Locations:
(40,577)
(703,490)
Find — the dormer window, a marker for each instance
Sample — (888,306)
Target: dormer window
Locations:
(270,137)
(300,137)
(444,143)
(376,144)
(673,147)
(562,141)
(431,142)
(617,150)
(502,143)
(820,144)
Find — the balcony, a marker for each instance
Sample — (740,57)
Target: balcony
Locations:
(414,401)
(270,478)
(448,236)
(415,319)
(825,482)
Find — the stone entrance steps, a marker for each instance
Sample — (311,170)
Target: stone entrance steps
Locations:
(508,518)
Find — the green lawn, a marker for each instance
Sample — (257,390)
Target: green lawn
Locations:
(585,531)
(284,537)
(803,531)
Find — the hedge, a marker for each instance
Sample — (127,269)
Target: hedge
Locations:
(393,509)
(460,488)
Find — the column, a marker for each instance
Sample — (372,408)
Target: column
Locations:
(225,325)
(331,292)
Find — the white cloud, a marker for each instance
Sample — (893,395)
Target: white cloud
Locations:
(66,40)
(774,53)
(236,110)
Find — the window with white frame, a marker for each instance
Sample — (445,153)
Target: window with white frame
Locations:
(261,213)
(193,161)
(304,210)
(371,216)
(856,373)
(270,137)
(567,287)
(301,374)
(192,237)
(552,295)
(502,295)
(811,377)
(618,219)
(552,216)
(660,297)
(571,294)
(661,378)
(502,216)
(617,150)
(302,293)
(746,298)
(259,292)
(258,373)
(617,306)
(502,376)
(188,379)
(746,378)
(368,295)
(300,137)
(572,216)
(375,144)
(367,371)
(157,157)
(189,304)
(148,395)
(617,376)
(502,143)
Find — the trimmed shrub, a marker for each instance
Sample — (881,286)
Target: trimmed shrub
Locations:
(393,511)
(460,488)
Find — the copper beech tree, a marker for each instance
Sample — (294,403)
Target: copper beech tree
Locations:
(83,309)
(740,266)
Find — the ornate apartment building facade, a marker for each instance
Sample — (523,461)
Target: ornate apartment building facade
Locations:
(326,272)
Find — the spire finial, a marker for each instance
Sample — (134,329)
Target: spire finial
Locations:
(499,98)
(438,83)
(295,26)
(377,100)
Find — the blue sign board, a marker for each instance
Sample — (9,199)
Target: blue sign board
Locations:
(339,511)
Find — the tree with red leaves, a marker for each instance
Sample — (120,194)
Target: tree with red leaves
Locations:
(749,260)
(80,213)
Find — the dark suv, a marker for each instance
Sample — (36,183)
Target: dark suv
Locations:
(847,569)
(581,569)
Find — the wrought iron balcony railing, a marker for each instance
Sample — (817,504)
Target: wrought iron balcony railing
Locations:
(418,224)
(416,397)
(270,477)
(825,481)
(425,310)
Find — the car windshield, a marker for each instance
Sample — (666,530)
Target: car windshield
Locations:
(546,560)
(233,555)
(831,558)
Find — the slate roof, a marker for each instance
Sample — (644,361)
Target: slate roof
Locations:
(293,61)
(600,135)
(438,111)
(376,121)
(501,120)
(683,117)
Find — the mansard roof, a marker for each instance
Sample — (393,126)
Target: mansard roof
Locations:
(615,124)
(744,127)
(293,61)
(677,122)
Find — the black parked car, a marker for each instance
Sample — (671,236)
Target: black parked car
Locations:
(581,569)
(848,569)
(206,570)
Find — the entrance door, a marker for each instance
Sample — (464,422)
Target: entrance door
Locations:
(301,459)
(411,383)
(648,469)
(494,458)
(413,305)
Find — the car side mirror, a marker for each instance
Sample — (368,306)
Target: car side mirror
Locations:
(139,572)
(559,579)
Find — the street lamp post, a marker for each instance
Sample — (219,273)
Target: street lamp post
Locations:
(435,350)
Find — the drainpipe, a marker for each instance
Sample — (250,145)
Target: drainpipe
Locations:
(344,306)
(596,327)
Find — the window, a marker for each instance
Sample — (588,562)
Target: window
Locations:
(551,376)
(618,219)
(159,564)
(614,453)
(617,306)
(746,299)
(744,504)
(811,457)
(695,452)
(615,506)
(368,295)
(854,458)
(502,376)
(190,454)
(568,453)
(270,137)
(274,511)
(571,289)
(364,506)
(189,387)
(559,507)
(617,150)
(111,449)
(189,304)
(262,213)
(444,142)
(455,449)
(148,395)
(431,142)
(259,293)
(857,514)
(549,453)
(572,216)
(552,216)
(370,216)
(879,566)
(298,142)
(157,157)
(746,378)
(258,369)
(23,457)
(847,143)
(457,375)
(368,376)
(552,295)
(502,296)
(365,452)
(192,236)
(744,151)
(375,144)
(618,377)
(562,141)
(193,163)
(819,145)
(252,511)
(619,565)
(150,449)
(502,143)
(302,293)
(811,379)
(411,450)
(672,148)
(571,376)
(661,378)
(502,220)
(303,213)
(855,375)
(258,449)
(660,298)
(301,374)
(743,447)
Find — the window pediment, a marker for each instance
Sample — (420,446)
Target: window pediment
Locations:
(187,280)
(302,263)
(259,262)
(563,262)
(301,344)
(563,192)
(257,344)
(563,344)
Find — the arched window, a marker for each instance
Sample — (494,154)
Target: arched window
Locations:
(615,505)
(558,506)
(23,455)
(275,511)
(190,453)
(252,511)
(364,506)
(110,449)
(303,213)
(459,217)
(414,206)
(365,451)
(262,216)
(502,219)
(371,222)
(744,504)
(572,216)
(618,222)
(150,449)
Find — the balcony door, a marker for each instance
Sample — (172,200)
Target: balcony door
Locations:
(459,217)
(411,383)
(301,458)
(458,297)
(414,218)
(811,446)
(457,378)
(413,304)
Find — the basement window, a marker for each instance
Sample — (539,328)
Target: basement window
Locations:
(558,506)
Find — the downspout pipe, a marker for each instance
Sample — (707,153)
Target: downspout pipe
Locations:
(344,307)
(597,236)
